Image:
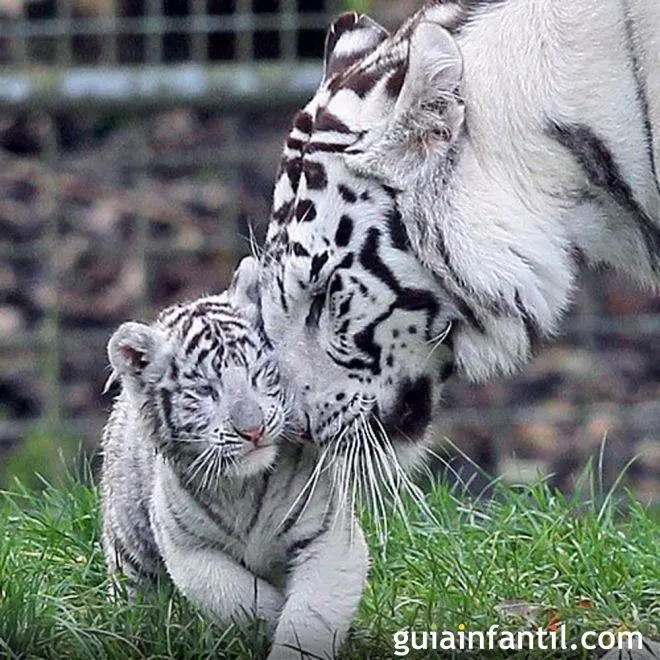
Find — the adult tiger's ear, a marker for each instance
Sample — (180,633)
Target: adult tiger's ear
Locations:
(434,68)
(416,116)
(244,289)
(350,38)
(135,351)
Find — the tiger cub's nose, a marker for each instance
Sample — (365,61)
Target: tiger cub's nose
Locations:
(254,434)
(248,420)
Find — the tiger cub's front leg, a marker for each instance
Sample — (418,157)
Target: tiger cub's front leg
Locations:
(326,580)
(208,576)
(130,550)
(222,589)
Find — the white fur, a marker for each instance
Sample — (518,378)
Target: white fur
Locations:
(231,515)
(501,150)
(508,214)
(525,63)
(312,610)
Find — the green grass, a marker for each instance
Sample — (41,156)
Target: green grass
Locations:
(596,567)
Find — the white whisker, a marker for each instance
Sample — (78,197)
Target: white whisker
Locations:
(408,485)
(437,341)
(354,475)
(193,469)
(386,472)
(309,484)
(379,508)
(209,467)
(390,473)
(192,439)
(343,476)
(313,484)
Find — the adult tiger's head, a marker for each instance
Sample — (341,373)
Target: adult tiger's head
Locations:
(360,326)
(426,188)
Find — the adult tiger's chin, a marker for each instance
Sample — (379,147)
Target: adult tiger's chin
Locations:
(395,428)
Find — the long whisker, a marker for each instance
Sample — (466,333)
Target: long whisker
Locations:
(340,470)
(386,473)
(354,475)
(342,477)
(209,468)
(191,439)
(255,249)
(338,498)
(197,467)
(214,470)
(345,468)
(337,466)
(379,509)
(218,470)
(390,475)
(310,483)
(322,466)
(408,485)
(194,466)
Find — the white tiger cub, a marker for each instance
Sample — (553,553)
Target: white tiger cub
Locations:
(198,480)
(480,156)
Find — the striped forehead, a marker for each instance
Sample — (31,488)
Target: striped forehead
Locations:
(351,95)
(348,105)
(215,334)
(358,112)
(356,97)
(363,92)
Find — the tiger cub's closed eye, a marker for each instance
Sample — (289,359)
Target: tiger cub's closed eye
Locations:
(205,391)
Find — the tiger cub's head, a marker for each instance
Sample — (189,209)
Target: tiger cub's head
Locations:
(208,392)
(360,326)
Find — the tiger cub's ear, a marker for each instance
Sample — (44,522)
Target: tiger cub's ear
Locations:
(135,349)
(350,38)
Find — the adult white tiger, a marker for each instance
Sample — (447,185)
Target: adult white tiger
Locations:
(457,175)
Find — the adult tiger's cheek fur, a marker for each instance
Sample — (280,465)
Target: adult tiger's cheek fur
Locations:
(370,376)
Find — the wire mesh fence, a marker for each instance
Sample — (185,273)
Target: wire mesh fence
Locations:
(68,33)
(112,206)
(138,145)
(59,53)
